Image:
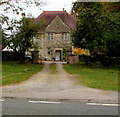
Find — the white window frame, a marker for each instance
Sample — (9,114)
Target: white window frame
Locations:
(64,36)
(50,36)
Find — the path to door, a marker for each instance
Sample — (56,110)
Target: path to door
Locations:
(61,85)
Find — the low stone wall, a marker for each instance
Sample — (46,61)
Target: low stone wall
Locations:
(73,59)
(8,56)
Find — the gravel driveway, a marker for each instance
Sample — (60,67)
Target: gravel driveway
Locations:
(61,85)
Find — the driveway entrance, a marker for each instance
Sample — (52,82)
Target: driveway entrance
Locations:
(61,85)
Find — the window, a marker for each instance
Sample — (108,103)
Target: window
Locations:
(64,36)
(50,36)
(49,51)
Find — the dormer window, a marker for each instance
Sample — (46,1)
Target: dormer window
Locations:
(50,36)
(64,36)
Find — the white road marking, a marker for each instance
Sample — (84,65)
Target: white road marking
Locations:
(46,102)
(93,104)
(110,104)
(2,100)
(98,104)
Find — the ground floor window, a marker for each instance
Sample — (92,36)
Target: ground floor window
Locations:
(49,50)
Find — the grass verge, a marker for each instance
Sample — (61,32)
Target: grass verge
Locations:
(13,72)
(96,76)
(53,68)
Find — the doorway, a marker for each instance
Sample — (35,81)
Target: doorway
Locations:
(58,55)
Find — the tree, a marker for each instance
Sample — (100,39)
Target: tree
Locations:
(109,6)
(28,2)
(18,33)
(3,35)
(23,39)
(9,25)
(16,8)
(97,30)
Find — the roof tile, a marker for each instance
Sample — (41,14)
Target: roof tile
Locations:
(48,17)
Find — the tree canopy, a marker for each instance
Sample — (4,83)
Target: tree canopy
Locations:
(23,39)
(19,32)
(97,28)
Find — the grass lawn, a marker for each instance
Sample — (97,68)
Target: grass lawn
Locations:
(53,68)
(95,76)
(13,72)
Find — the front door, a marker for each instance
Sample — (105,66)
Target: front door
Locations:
(57,55)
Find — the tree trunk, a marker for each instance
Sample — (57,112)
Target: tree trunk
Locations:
(22,57)
(85,59)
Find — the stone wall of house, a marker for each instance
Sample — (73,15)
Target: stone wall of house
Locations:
(57,27)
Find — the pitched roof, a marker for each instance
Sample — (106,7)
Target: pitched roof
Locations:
(48,17)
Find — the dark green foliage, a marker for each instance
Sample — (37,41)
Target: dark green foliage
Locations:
(97,29)
(9,55)
(3,38)
(20,34)
(23,39)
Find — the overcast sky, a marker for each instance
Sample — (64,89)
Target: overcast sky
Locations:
(58,5)
(54,5)
(49,5)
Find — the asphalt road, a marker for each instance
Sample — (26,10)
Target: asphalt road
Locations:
(55,107)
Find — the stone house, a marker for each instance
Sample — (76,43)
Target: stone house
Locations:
(54,36)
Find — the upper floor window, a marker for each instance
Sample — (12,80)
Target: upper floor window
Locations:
(64,36)
(50,36)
